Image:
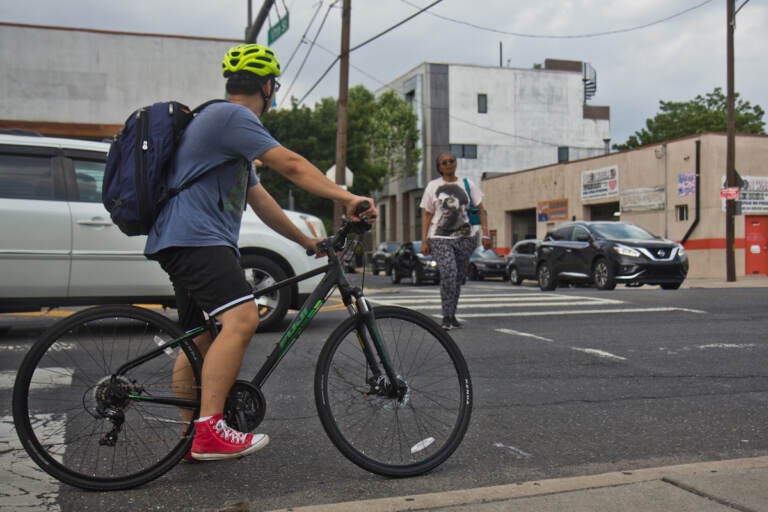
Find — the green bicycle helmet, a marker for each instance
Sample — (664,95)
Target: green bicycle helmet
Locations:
(254,58)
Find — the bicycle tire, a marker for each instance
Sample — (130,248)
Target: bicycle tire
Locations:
(384,435)
(61,390)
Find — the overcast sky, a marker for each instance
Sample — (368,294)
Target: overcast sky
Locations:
(680,52)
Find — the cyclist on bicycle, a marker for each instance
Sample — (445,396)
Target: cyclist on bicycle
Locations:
(195,236)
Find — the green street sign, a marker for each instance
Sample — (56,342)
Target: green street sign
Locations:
(278,29)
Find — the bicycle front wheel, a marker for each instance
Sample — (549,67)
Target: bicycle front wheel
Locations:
(396,436)
(92,426)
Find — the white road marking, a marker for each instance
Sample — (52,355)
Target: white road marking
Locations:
(520,454)
(579,312)
(591,351)
(23,485)
(44,378)
(520,333)
(599,353)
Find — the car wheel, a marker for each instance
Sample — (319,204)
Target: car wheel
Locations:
(374,269)
(394,276)
(387,269)
(514,276)
(472,274)
(670,286)
(261,272)
(603,275)
(546,277)
(416,277)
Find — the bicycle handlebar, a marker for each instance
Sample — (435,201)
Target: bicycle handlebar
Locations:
(336,242)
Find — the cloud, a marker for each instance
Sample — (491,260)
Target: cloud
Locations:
(674,60)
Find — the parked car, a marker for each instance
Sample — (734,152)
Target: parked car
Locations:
(486,263)
(60,248)
(381,260)
(408,262)
(521,261)
(607,253)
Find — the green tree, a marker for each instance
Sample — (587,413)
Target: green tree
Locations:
(702,114)
(381,137)
(395,134)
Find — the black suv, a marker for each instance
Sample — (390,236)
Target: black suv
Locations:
(606,253)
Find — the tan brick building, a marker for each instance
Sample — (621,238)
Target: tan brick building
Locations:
(672,189)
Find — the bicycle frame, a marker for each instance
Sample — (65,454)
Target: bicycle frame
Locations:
(355,303)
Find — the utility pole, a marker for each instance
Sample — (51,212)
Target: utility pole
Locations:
(253,29)
(730,152)
(341,127)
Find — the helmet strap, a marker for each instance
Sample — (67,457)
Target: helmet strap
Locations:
(267,96)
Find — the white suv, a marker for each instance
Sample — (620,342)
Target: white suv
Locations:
(59,247)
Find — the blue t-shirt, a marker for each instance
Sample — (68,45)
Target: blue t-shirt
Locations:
(221,144)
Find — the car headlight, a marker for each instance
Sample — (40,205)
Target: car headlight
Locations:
(432,263)
(680,250)
(626,251)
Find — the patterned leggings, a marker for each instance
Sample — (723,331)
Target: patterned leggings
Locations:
(452,256)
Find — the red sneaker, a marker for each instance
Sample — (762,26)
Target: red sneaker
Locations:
(215,440)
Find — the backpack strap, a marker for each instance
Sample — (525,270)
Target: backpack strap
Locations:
(469,193)
(173,191)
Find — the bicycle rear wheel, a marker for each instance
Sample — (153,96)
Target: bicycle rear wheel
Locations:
(86,425)
(396,437)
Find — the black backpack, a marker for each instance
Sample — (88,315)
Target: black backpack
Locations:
(139,162)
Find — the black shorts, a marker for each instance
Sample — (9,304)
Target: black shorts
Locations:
(205,279)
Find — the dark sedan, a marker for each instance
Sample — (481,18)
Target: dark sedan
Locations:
(408,262)
(486,263)
(381,260)
(607,253)
(521,262)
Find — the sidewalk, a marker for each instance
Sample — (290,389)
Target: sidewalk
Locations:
(721,486)
(755,281)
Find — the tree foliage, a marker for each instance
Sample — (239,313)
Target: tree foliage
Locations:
(381,139)
(702,114)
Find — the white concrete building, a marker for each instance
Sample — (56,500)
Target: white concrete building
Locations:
(85,83)
(495,120)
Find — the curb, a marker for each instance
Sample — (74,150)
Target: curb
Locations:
(469,497)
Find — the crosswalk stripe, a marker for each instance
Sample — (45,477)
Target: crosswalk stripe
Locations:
(43,378)
(576,312)
(499,299)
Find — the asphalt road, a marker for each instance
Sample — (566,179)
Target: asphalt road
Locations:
(572,382)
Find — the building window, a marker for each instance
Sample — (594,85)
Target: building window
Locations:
(464,150)
(681,212)
(482,103)
(563,154)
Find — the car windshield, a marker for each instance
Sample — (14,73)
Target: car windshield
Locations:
(417,246)
(390,246)
(485,253)
(620,231)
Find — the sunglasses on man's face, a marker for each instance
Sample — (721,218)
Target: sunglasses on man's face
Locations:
(448,162)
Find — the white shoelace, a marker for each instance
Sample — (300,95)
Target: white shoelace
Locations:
(230,434)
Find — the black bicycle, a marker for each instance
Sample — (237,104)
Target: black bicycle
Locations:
(94,405)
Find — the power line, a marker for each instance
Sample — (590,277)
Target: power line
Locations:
(309,50)
(338,57)
(575,36)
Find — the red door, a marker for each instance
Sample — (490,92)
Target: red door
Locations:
(756,247)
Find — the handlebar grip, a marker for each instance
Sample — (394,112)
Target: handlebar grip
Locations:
(365,205)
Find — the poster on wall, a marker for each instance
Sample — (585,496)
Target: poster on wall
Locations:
(600,183)
(552,210)
(643,199)
(686,184)
(753,194)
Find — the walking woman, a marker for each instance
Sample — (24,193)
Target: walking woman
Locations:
(448,234)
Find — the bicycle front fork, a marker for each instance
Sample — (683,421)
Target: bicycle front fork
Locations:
(383,383)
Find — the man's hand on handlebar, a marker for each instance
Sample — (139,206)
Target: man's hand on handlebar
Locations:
(368,215)
(312,245)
